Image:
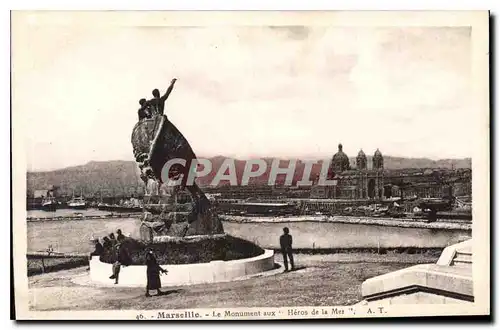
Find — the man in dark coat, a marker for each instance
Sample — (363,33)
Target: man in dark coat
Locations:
(106,244)
(113,240)
(99,249)
(153,273)
(119,235)
(286,248)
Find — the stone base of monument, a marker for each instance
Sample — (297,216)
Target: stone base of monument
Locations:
(449,281)
(189,260)
(179,220)
(186,274)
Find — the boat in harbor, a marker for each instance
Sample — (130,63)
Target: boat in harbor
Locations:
(50,204)
(78,203)
(132,205)
(118,208)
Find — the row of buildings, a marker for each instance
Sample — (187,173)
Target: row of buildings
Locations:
(362,182)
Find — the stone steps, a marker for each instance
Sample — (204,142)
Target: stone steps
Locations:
(449,281)
(462,259)
(426,283)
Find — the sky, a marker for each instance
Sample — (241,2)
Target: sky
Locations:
(244,91)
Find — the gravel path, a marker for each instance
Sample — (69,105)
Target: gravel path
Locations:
(322,280)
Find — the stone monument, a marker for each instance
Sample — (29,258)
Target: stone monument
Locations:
(182,229)
(155,141)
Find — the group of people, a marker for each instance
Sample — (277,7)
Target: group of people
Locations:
(156,105)
(115,245)
(108,243)
(153,269)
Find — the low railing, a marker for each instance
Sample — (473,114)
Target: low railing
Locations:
(86,217)
(45,257)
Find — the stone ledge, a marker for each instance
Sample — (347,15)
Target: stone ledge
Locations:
(193,238)
(186,274)
(454,282)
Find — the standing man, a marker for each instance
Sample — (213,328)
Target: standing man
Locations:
(286,248)
(158,103)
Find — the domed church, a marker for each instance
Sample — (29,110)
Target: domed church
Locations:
(358,182)
(365,182)
(340,162)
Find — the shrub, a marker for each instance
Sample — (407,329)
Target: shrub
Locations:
(190,251)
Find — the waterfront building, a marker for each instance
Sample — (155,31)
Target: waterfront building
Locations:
(361,183)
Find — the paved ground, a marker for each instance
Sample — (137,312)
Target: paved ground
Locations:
(322,280)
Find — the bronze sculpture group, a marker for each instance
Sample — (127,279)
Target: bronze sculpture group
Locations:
(156,105)
(155,141)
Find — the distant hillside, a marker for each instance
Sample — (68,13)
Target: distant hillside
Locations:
(108,177)
(112,178)
(396,163)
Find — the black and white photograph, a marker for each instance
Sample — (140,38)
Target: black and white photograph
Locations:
(248,166)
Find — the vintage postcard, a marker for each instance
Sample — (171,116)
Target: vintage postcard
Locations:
(250,165)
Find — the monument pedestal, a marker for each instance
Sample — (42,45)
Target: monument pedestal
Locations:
(156,142)
(181,223)
(449,281)
(186,274)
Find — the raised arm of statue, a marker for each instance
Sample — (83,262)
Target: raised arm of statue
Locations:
(169,90)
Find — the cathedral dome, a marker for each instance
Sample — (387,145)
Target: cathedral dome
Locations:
(361,160)
(340,161)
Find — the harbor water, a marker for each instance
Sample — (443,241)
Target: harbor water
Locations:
(73,236)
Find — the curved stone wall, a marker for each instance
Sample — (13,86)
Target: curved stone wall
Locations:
(336,235)
(211,272)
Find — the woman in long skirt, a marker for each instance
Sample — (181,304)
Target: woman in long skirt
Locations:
(153,273)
